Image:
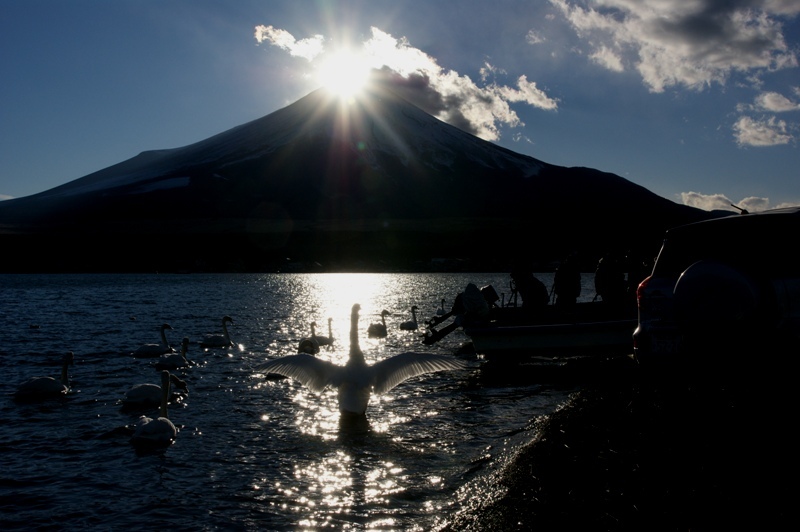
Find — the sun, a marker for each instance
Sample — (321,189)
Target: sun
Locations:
(344,73)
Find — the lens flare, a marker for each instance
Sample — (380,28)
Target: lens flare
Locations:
(344,73)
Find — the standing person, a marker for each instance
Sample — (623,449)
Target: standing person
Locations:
(567,282)
(609,280)
(533,291)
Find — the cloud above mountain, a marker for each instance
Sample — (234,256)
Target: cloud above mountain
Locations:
(670,44)
(447,95)
(712,202)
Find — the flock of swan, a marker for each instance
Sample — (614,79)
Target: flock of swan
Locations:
(157,431)
(355,381)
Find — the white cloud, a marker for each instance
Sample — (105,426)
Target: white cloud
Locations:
(608,58)
(707,202)
(767,132)
(529,93)
(446,94)
(754,204)
(775,102)
(690,43)
(308,48)
(711,202)
(786,205)
(534,37)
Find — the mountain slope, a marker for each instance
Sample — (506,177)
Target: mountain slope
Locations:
(379,180)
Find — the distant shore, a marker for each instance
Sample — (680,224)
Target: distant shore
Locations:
(654,452)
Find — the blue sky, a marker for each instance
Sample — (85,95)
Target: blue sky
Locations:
(696,101)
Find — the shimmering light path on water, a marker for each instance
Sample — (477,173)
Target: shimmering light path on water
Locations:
(251,452)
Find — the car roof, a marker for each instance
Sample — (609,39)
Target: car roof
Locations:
(757,241)
(778,218)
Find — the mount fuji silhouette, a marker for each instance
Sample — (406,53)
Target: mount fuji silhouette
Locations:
(377,183)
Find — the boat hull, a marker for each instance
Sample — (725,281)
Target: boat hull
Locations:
(609,337)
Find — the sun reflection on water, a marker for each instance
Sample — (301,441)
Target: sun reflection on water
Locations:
(366,474)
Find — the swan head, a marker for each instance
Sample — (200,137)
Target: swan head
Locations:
(175,381)
(308,346)
(227,319)
(166,327)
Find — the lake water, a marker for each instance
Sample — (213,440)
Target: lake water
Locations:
(251,453)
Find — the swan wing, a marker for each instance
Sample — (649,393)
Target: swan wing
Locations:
(390,372)
(40,388)
(152,350)
(171,362)
(308,370)
(160,431)
(144,393)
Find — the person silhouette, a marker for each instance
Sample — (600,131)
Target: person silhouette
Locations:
(532,290)
(567,282)
(609,280)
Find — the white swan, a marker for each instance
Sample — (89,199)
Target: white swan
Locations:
(156,431)
(378,330)
(441,311)
(309,344)
(42,388)
(322,340)
(219,340)
(174,361)
(156,350)
(411,325)
(356,381)
(144,396)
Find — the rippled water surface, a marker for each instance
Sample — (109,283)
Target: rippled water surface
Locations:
(251,452)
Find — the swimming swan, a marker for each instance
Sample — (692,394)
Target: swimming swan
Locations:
(41,388)
(441,311)
(356,380)
(144,396)
(156,431)
(175,361)
(308,346)
(411,325)
(219,340)
(378,330)
(156,350)
(322,340)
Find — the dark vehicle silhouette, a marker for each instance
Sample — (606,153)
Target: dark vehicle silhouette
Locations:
(721,289)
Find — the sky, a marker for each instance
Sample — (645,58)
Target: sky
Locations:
(697,101)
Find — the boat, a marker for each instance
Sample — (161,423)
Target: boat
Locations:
(565,338)
(591,328)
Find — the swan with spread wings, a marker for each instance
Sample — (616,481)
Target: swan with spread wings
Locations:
(356,381)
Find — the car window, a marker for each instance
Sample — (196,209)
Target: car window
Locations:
(759,244)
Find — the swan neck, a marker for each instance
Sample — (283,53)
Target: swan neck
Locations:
(65,372)
(354,333)
(164,337)
(165,383)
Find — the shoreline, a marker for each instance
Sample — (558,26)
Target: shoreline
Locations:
(651,452)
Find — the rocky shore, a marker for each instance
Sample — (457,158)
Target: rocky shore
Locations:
(657,450)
